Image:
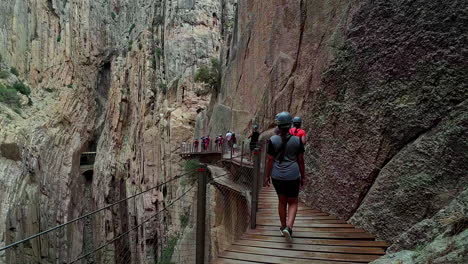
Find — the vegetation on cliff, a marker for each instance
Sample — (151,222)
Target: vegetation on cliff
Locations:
(211,76)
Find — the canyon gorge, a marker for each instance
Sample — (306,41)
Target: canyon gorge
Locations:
(382,87)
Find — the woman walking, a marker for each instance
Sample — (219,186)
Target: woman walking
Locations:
(285,169)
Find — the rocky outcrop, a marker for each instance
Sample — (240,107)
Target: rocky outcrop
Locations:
(115,76)
(439,239)
(382,89)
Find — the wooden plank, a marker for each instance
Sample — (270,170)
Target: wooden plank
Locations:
(301,217)
(298,224)
(276,260)
(307,241)
(319,248)
(231,261)
(349,235)
(304,254)
(303,222)
(302,213)
(317,229)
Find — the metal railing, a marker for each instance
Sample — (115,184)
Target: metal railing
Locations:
(107,235)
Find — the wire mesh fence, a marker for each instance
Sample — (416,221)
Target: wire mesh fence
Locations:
(232,197)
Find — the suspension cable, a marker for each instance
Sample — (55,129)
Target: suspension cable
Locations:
(93,212)
(132,229)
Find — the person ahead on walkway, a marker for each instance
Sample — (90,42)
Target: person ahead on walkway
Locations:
(296,129)
(207,142)
(285,166)
(220,142)
(254,140)
(233,141)
(195,145)
(203,143)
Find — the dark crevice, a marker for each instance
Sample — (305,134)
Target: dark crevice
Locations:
(88,231)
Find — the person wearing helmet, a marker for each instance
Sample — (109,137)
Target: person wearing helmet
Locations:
(285,169)
(219,143)
(195,145)
(233,142)
(254,139)
(203,143)
(207,143)
(296,129)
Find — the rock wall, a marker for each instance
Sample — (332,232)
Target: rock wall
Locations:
(116,75)
(382,87)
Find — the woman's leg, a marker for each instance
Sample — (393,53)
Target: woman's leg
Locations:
(282,209)
(292,211)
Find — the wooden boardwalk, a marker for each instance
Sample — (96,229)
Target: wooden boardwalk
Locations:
(317,238)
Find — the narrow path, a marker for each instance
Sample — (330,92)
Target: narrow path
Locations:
(318,238)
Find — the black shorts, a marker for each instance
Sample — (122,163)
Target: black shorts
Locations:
(253,145)
(289,189)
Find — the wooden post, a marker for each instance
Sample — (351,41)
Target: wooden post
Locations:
(201,214)
(256,178)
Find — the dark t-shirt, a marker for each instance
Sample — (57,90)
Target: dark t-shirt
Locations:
(288,168)
(254,137)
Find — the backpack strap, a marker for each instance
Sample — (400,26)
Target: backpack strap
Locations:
(282,150)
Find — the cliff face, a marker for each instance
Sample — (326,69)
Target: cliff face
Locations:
(114,77)
(381,85)
(382,88)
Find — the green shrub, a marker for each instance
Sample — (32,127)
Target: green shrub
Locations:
(14,71)
(168,251)
(10,97)
(163,87)
(49,90)
(131,28)
(113,15)
(153,63)
(211,76)
(22,88)
(70,85)
(59,38)
(191,165)
(184,219)
(4,74)
(158,52)
(159,20)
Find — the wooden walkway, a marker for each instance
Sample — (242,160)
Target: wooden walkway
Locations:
(317,238)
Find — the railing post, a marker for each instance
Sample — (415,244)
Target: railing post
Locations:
(232,149)
(242,154)
(256,178)
(201,214)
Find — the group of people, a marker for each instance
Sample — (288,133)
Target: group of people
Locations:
(205,143)
(219,142)
(284,167)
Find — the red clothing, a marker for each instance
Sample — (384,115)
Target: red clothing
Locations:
(297,132)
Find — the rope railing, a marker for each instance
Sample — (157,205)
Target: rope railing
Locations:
(91,213)
(82,238)
(132,229)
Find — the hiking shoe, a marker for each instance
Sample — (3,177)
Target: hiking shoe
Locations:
(281,230)
(287,233)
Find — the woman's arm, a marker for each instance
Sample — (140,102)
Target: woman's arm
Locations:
(269,166)
(300,161)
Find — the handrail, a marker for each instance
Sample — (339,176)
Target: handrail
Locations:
(91,213)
